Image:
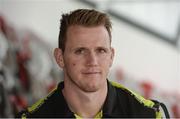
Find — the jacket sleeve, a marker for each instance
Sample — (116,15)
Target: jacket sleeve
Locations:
(162,109)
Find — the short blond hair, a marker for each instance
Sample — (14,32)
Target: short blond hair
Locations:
(84,17)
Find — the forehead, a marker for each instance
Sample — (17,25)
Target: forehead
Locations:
(83,29)
(78,34)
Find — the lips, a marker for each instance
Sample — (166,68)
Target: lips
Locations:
(91,72)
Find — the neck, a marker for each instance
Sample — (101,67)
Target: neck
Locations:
(85,104)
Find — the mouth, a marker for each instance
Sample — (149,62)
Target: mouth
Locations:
(91,72)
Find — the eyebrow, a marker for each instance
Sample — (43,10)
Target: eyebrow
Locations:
(101,47)
(81,47)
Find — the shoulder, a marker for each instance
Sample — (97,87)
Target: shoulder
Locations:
(45,107)
(133,103)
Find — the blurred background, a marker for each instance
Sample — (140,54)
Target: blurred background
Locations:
(146,38)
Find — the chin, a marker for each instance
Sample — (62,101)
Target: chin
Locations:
(92,88)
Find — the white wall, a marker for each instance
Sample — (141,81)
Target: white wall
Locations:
(140,54)
(146,57)
(42,16)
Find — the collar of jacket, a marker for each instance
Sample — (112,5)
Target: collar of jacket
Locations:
(110,102)
(108,106)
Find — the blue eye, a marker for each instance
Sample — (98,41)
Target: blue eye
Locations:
(80,51)
(102,50)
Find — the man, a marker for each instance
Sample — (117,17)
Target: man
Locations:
(85,55)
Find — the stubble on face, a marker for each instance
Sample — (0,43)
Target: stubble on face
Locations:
(86,78)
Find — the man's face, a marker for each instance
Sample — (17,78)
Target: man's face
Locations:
(87,57)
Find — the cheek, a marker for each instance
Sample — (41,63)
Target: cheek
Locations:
(106,61)
(70,61)
(71,67)
(73,63)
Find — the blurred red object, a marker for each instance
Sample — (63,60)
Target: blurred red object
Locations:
(176,111)
(3,25)
(18,103)
(120,74)
(147,88)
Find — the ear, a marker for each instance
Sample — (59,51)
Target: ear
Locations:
(58,54)
(112,56)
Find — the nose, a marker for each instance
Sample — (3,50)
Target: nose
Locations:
(92,59)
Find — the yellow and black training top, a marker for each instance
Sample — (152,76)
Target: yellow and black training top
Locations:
(120,103)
